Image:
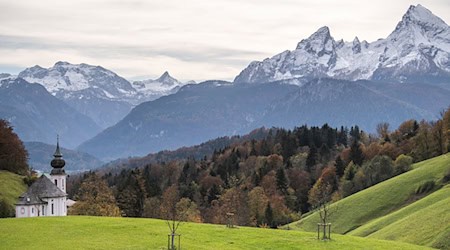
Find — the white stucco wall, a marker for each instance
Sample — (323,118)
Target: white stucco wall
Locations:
(60,181)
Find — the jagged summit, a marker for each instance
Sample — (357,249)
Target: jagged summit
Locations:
(418,50)
(317,41)
(167,79)
(420,14)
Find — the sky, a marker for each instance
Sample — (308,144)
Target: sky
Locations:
(193,40)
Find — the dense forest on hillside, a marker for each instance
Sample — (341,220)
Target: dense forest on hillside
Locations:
(273,180)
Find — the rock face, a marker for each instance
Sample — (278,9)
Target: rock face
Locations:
(418,50)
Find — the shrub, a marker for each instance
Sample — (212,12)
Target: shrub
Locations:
(6,210)
(425,187)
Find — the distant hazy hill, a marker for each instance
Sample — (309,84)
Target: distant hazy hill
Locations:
(36,115)
(40,155)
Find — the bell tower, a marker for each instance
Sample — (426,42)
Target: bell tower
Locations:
(58,175)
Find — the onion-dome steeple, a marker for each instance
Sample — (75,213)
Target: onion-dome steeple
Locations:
(58,162)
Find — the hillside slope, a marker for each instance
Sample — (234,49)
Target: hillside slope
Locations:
(384,198)
(128,233)
(417,223)
(11,186)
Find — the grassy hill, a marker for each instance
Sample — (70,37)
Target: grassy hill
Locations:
(11,186)
(80,232)
(390,210)
(419,223)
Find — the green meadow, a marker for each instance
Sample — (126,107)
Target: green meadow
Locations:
(392,211)
(80,232)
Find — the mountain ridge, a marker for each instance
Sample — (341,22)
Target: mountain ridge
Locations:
(420,44)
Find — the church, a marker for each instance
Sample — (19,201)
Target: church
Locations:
(47,195)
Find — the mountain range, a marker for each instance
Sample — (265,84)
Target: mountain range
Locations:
(323,80)
(97,92)
(417,51)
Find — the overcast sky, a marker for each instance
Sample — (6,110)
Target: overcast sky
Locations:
(195,39)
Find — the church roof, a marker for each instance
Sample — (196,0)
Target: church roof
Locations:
(41,188)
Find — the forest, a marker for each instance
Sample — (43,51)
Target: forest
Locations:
(265,182)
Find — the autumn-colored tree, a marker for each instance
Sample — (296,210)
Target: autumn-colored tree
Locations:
(235,201)
(257,202)
(320,197)
(13,156)
(94,198)
(151,208)
(187,210)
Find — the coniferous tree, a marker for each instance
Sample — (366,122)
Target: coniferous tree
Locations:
(268,214)
(356,154)
(340,168)
(282,182)
(311,160)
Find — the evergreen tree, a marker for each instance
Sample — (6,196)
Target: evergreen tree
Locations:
(282,182)
(340,168)
(311,160)
(356,154)
(268,214)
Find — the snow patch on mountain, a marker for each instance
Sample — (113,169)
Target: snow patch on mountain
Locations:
(419,45)
(164,85)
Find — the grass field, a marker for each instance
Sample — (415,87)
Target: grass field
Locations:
(79,232)
(386,210)
(11,186)
(418,223)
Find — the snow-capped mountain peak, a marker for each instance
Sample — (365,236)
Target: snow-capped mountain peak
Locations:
(168,80)
(418,50)
(65,77)
(421,15)
(318,41)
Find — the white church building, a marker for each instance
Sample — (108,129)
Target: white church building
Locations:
(47,195)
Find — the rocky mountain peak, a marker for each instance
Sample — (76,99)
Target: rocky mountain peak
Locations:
(421,17)
(356,45)
(167,79)
(318,41)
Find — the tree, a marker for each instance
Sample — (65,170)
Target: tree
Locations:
(282,182)
(268,215)
(378,169)
(13,156)
(383,130)
(187,210)
(356,154)
(168,210)
(257,202)
(402,164)
(320,198)
(340,168)
(131,194)
(312,158)
(95,198)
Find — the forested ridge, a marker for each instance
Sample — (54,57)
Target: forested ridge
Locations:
(273,180)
